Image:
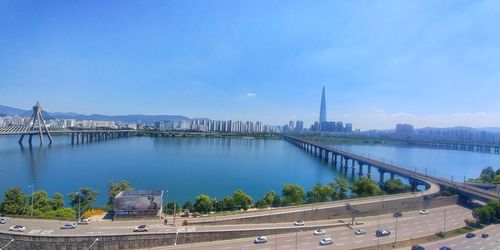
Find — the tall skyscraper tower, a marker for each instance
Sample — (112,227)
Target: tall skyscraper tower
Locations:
(322,111)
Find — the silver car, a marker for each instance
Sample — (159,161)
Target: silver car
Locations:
(3,221)
(17,228)
(69,226)
(326,241)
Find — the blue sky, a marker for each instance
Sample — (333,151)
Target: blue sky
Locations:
(430,63)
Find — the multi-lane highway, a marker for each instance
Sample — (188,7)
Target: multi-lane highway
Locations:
(475,243)
(411,225)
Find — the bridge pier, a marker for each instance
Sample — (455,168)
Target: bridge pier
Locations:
(392,176)
(353,167)
(21,139)
(369,171)
(381,178)
(360,172)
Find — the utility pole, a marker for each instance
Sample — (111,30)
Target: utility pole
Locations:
(32,193)
(175,211)
(444,224)
(378,228)
(396,233)
(79,203)
(215,207)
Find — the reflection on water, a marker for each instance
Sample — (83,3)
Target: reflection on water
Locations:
(184,166)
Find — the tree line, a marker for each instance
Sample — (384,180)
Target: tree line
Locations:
(488,175)
(293,194)
(16,202)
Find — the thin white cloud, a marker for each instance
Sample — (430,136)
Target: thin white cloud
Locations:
(251,94)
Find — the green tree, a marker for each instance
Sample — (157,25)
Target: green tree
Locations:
(364,187)
(319,193)
(169,208)
(269,198)
(41,201)
(266,201)
(340,188)
(293,194)
(86,197)
(395,186)
(487,175)
(188,205)
(228,203)
(203,203)
(449,191)
(115,188)
(277,201)
(13,201)
(63,213)
(484,214)
(495,205)
(242,200)
(57,201)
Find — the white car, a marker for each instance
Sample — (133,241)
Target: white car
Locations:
(424,211)
(319,232)
(260,239)
(17,228)
(69,226)
(84,222)
(3,221)
(141,228)
(359,231)
(326,241)
(299,223)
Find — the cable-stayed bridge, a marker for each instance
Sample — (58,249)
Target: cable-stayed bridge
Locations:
(37,127)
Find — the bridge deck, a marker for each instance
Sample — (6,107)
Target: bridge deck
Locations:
(462,188)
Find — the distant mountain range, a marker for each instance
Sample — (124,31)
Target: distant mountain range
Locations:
(6,110)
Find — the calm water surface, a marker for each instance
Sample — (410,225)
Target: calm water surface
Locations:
(184,166)
(437,162)
(215,166)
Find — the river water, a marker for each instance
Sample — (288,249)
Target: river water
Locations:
(190,166)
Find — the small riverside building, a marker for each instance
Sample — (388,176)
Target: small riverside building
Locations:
(138,204)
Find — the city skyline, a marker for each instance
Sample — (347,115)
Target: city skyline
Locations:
(437,69)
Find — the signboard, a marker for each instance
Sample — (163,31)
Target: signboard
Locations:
(138,202)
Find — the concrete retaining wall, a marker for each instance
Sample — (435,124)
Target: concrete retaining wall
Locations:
(134,241)
(340,211)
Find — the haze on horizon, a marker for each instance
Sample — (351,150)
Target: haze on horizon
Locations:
(428,63)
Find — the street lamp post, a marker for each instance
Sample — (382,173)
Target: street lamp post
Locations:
(396,233)
(296,234)
(91,245)
(79,205)
(444,224)
(378,228)
(215,208)
(32,192)
(276,239)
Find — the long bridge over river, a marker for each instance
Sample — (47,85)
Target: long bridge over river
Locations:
(357,164)
(37,126)
(77,135)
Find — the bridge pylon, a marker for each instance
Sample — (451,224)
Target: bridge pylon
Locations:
(37,125)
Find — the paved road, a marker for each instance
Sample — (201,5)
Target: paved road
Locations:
(411,225)
(476,243)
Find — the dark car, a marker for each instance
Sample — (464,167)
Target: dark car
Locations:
(445,248)
(470,235)
(417,247)
(398,214)
(382,233)
(484,236)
